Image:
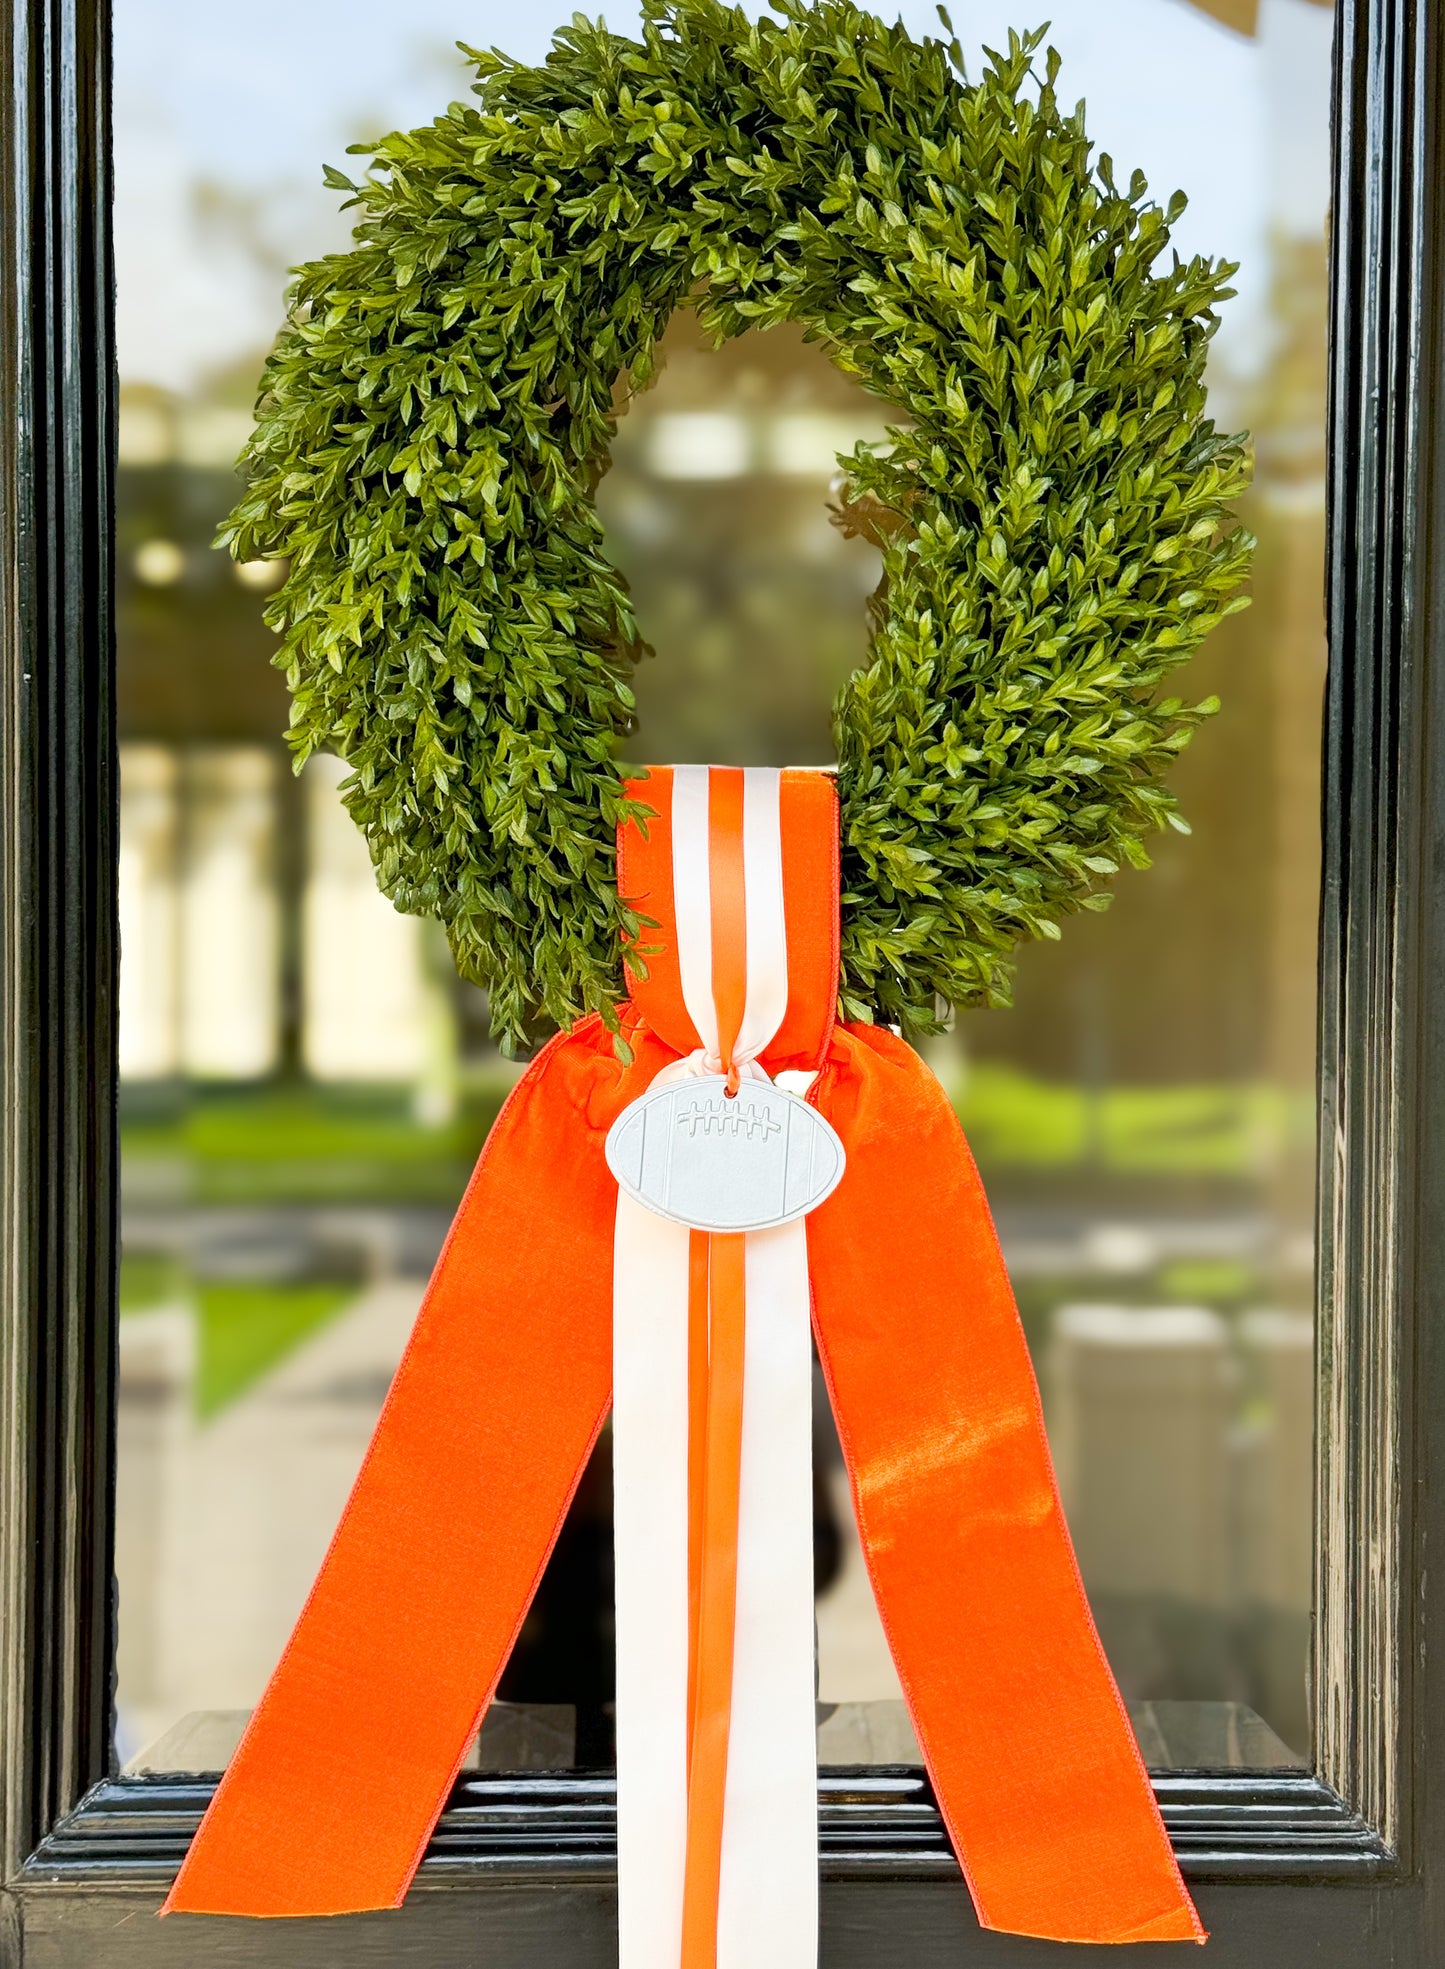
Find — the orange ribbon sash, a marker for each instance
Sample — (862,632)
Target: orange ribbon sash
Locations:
(331,1797)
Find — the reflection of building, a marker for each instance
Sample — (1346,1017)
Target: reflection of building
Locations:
(198,912)
(201,930)
(255,939)
(1288,513)
(285,956)
(193,656)
(1203,970)
(148,899)
(366,1006)
(716,511)
(255,945)
(1183,1445)
(1140,1398)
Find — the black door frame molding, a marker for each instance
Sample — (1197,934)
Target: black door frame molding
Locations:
(1345,1865)
(58,802)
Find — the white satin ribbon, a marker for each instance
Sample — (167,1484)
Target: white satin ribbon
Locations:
(768,1902)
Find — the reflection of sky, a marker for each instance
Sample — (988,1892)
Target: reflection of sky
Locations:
(253,100)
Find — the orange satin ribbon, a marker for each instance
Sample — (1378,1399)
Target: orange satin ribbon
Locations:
(330,1799)
(712,1675)
(717,1332)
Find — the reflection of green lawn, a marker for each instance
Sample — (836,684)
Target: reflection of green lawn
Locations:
(305,1144)
(300,1144)
(242,1328)
(313,1144)
(1017,1122)
(246,1329)
(148,1279)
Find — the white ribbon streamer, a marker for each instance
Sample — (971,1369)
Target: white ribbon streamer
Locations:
(768,1909)
(649,1505)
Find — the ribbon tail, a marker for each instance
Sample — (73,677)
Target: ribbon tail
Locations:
(768,1909)
(717,1829)
(1026,1739)
(332,1795)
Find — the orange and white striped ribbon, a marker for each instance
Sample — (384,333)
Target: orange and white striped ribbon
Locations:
(716,1754)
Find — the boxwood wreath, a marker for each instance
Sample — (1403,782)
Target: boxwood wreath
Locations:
(1051,506)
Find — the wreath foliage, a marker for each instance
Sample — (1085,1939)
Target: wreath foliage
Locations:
(1052,506)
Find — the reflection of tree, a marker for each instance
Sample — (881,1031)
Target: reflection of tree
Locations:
(259,223)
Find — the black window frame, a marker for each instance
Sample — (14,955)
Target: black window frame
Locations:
(1339,1865)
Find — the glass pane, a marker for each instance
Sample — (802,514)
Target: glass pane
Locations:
(305,1083)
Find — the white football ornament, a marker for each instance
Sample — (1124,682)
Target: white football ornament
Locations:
(716,1161)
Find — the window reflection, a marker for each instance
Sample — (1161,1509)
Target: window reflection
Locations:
(305,1082)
